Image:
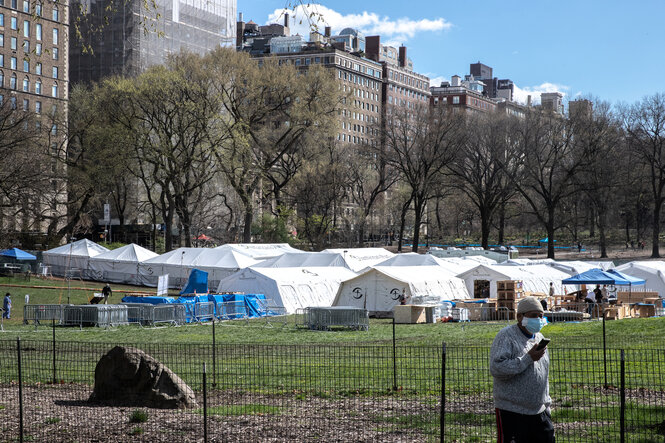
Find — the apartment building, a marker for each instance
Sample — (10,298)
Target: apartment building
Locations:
(34,80)
(466,95)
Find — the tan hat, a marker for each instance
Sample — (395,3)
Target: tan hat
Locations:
(529,304)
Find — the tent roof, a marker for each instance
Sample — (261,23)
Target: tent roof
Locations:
(303,259)
(360,258)
(260,251)
(211,257)
(652,266)
(411,259)
(81,248)
(516,272)
(630,278)
(301,274)
(128,253)
(597,276)
(18,254)
(415,274)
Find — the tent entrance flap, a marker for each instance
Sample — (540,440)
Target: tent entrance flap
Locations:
(481,289)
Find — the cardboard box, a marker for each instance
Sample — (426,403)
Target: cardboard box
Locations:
(643,310)
(635,296)
(409,314)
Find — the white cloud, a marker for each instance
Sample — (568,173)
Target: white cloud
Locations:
(520,94)
(392,31)
(436,81)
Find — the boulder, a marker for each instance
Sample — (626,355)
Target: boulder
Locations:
(129,377)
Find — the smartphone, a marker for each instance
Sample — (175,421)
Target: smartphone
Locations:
(542,343)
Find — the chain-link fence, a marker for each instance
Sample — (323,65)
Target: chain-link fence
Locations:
(376,392)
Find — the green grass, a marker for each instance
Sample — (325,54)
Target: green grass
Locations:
(138,416)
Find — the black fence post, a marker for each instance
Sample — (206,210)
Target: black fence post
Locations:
(55,379)
(205,405)
(214,355)
(604,352)
(20,388)
(394,359)
(442,418)
(622,408)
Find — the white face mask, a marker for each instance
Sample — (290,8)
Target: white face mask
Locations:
(534,325)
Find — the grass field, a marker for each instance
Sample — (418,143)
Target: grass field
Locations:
(627,334)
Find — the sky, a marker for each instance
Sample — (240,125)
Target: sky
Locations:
(606,50)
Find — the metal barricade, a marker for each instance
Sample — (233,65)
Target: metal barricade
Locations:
(95,315)
(204,311)
(323,318)
(488,313)
(136,312)
(38,313)
(232,310)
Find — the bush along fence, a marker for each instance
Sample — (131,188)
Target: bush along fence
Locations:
(310,392)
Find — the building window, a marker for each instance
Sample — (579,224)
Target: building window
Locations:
(26,6)
(13,23)
(55,72)
(12,100)
(14,3)
(38,87)
(26,28)
(26,85)
(38,31)
(38,107)
(54,90)
(26,66)
(456,100)
(2,19)
(55,36)
(38,49)
(12,43)
(38,9)
(55,53)
(12,62)
(54,130)
(26,46)
(55,14)
(12,81)
(2,79)
(26,105)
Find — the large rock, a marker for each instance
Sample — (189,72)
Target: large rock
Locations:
(130,377)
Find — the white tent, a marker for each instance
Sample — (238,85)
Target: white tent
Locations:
(303,259)
(379,288)
(535,278)
(292,288)
(651,271)
(456,265)
(73,257)
(260,251)
(120,265)
(218,263)
(360,258)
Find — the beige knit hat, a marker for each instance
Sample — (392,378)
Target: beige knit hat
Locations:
(529,304)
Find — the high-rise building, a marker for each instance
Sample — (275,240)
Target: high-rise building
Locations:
(580,108)
(461,94)
(135,35)
(552,101)
(34,80)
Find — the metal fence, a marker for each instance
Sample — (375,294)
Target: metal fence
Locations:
(324,392)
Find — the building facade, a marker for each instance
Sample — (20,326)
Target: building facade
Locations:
(461,95)
(125,38)
(34,82)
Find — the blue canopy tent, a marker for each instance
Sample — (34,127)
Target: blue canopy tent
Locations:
(17,254)
(599,277)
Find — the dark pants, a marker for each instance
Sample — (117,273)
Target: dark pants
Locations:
(518,428)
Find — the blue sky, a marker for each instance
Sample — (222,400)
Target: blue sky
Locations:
(610,50)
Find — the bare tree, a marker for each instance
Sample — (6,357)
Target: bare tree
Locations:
(644,123)
(420,143)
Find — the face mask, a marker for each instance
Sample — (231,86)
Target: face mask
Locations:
(534,325)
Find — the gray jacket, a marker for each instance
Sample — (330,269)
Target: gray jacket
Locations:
(520,384)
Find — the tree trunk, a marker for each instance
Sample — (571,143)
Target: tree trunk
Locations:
(484,228)
(402,222)
(418,206)
(550,234)
(655,252)
(601,233)
(502,222)
(247,231)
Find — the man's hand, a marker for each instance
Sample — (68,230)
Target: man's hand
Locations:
(536,354)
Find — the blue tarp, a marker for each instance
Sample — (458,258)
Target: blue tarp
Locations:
(596,276)
(197,283)
(253,307)
(545,240)
(153,300)
(17,254)
(190,304)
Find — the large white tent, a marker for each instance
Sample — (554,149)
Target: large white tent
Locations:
(303,259)
(292,288)
(653,272)
(218,263)
(73,257)
(360,258)
(535,278)
(378,289)
(456,265)
(260,251)
(120,265)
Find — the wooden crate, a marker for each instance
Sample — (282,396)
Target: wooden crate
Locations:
(509,285)
(643,310)
(409,314)
(635,297)
(615,312)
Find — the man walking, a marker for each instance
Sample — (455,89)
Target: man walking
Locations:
(520,369)
(7,306)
